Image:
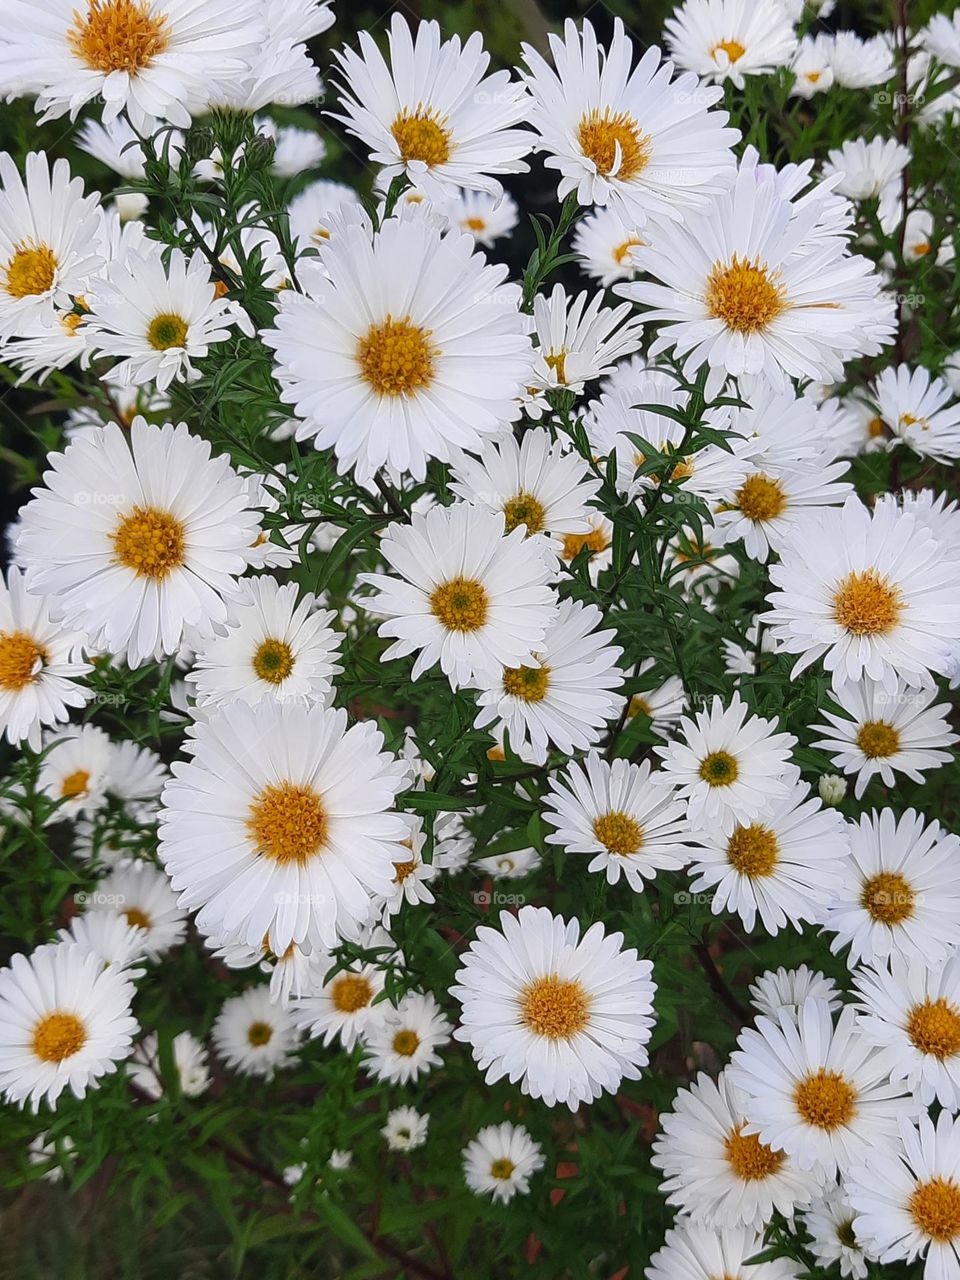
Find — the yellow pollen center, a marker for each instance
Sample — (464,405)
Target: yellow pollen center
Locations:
(406,1043)
(150,542)
(877,740)
(753,851)
(288,823)
(719,769)
(460,604)
(396,358)
(403,870)
(134,916)
(921,249)
(935,1208)
(813,76)
(615,144)
(475,224)
(21,660)
(875,428)
(496,754)
(422,135)
(524,508)
(746,296)
(57,1036)
(732,48)
(622,250)
(31,270)
(761,498)
(825,1100)
(502,1169)
(934,1028)
(555,1007)
(749,1158)
(75,784)
(259,1034)
(350,993)
(618,833)
(530,684)
(557,361)
(865,604)
(273,661)
(118,35)
(573,543)
(887,898)
(639,703)
(71,322)
(167,331)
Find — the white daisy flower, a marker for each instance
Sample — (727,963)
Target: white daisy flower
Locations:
(49,241)
(871,170)
(253,1035)
(635,137)
(933,511)
(744,659)
(816,1089)
(484,216)
(506,866)
(411,875)
(899,893)
(859,63)
(662,705)
(116,942)
(920,411)
(140,893)
(568,1017)
(281,822)
(292,974)
(75,772)
(884,733)
(40,665)
(406,1129)
(731,39)
(432,114)
(919,234)
(567,697)
(811,66)
(137,776)
(310,211)
(138,539)
(728,765)
(941,37)
(117,145)
(189,1063)
(907,1197)
(280,72)
(402,1046)
(604,245)
(343,1007)
(428,358)
(870,594)
(296,150)
(716,1173)
(782,866)
(747,287)
(785,431)
(611,811)
(154,59)
(912,1010)
(785,990)
(500,1161)
(275,646)
(534,482)
(597,544)
(54,1154)
(340,1160)
(691,1252)
(64,1022)
(830,1224)
(764,508)
(468,595)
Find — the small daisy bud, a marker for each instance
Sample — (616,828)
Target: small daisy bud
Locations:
(832,788)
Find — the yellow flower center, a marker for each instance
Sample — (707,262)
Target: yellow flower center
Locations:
(396,358)
(622,250)
(845,1234)
(31,270)
(403,870)
(422,135)
(749,1158)
(615,144)
(865,604)
(746,296)
(118,35)
(638,704)
(57,1036)
(875,428)
(75,784)
(753,851)
(475,224)
(273,661)
(557,361)
(813,76)
(761,497)
(825,1100)
(21,660)
(524,509)
(288,823)
(595,541)
(732,48)
(136,917)
(150,542)
(502,1169)
(887,898)
(555,1007)
(460,604)
(166,331)
(934,1028)
(935,1208)
(350,993)
(877,740)
(259,1034)
(618,833)
(719,769)
(406,1043)
(530,684)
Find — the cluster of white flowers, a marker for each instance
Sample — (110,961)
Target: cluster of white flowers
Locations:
(524,439)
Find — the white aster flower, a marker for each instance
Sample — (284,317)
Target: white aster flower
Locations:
(941,37)
(75,772)
(692,1252)
(568,1017)
(635,137)
(596,547)
(281,823)
(253,1035)
(920,411)
(812,67)
(604,245)
(859,63)
(341,1007)
(411,875)
(189,1063)
(280,71)
(311,223)
(764,508)
(406,1129)
(55,1154)
(729,766)
(611,811)
(468,596)
(500,1161)
(900,893)
(432,114)
(116,942)
(731,39)
(64,1022)
(402,1046)
(140,893)
(663,704)
(830,1224)
(786,990)
(745,659)
(506,866)
(933,512)
(484,216)
(714,1171)
(871,171)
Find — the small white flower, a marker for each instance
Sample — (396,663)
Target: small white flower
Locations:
(785,990)
(402,1045)
(253,1035)
(189,1062)
(501,1160)
(406,1129)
